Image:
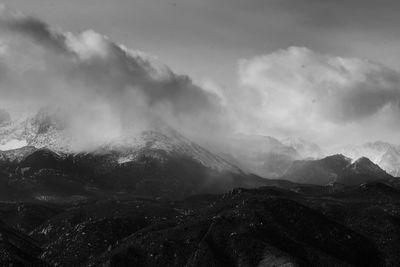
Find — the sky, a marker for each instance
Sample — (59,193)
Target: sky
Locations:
(321,70)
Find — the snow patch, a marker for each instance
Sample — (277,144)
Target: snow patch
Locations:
(126,159)
(13,144)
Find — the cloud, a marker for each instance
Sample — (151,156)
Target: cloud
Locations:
(299,91)
(106,90)
(39,31)
(356,14)
(103,85)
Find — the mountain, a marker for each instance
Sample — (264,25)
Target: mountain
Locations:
(156,163)
(335,169)
(263,155)
(318,172)
(46,129)
(44,174)
(386,155)
(362,171)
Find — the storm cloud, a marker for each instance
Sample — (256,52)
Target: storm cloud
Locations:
(106,89)
(97,81)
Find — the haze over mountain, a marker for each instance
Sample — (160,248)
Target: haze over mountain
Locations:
(239,150)
(262,155)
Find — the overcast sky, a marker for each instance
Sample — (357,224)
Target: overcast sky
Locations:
(297,65)
(204,38)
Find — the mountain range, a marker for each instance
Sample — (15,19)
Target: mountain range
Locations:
(293,159)
(156,198)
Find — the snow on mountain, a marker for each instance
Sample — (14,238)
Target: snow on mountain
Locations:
(40,130)
(170,143)
(262,155)
(13,144)
(386,155)
(11,131)
(46,130)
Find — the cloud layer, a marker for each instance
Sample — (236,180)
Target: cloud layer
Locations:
(103,85)
(299,91)
(107,89)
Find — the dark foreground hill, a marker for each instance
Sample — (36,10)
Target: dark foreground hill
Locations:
(270,226)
